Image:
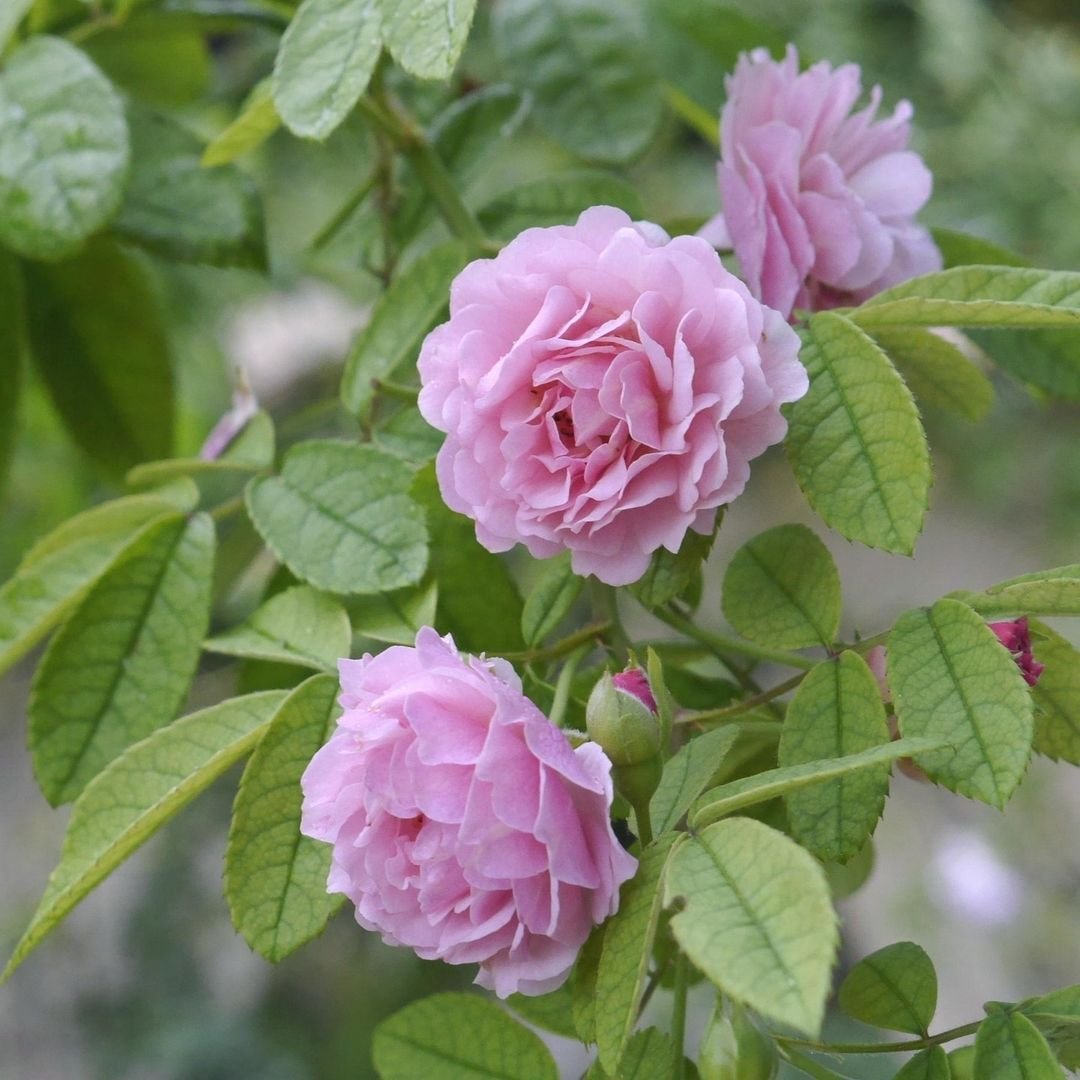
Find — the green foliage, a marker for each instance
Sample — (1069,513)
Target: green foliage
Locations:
(99,343)
(589,68)
(138,793)
(64,143)
(426,37)
(553,1012)
(856,442)
(953,681)
(687,774)
(458,1037)
(395,617)
(551,598)
(275,879)
(999,296)
(624,961)
(674,574)
(836,711)
(121,666)
(583,985)
(782,589)
(1057,697)
(324,64)
(10,16)
(1057,1016)
(1048,360)
(931,1064)
(59,569)
(963,249)
(12,356)
(256,122)
(299,626)
(894,988)
(1044,592)
(937,371)
(1008,1046)
(757,919)
(177,208)
(402,316)
(648,1054)
(340,517)
(760,787)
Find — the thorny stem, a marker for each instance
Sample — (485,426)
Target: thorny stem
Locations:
(707,716)
(348,208)
(727,643)
(587,634)
(562,685)
(881,1048)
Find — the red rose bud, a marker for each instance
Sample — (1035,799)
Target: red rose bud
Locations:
(1015,635)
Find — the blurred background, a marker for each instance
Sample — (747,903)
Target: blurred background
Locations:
(147,980)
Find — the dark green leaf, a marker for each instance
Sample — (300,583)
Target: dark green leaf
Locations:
(458,1037)
(963,249)
(137,794)
(1057,697)
(395,617)
(837,710)
(648,1055)
(856,442)
(782,589)
(1008,1046)
(553,1012)
(177,208)
(551,598)
(953,681)
(932,1064)
(121,666)
(1046,359)
(64,149)
(13,349)
(340,517)
(97,337)
(275,879)
(426,36)
(672,574)
(687,774)
(590,70)
(894,988)
(583,985)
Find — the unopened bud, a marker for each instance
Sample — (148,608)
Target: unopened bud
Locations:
(735,1048)
(621,718)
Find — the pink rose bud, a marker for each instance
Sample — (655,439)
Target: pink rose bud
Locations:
(464,825)
(603,389)
(635,681)
(1015,635)
(623,719)
(819,201)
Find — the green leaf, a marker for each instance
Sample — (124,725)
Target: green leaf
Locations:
(930,1064)
(582,984)
(757,919)
(458,1037)
(551,598)
(648,1055)
(1044,592)
(937,372)
(121,666)
(1057,697)
(395,617)
(137,794)
(1057,1016)
(963,249)
(855,440)
(13,352)
(64,145)
(487,619)
(624,961)
(156,59)
(556,200)
(1000,296)
(11,14)
(953,681)
(176,208)
(99,342)
(57,572)
(402,317)
(782,589)
(553,1012)
(591,72)
(894,988)
(748,790)
(275,879)
(1008,1046)
(407,435)
(1048,360)
(670,574)
(687,774)
(254,124)
(426,37)
(837,711)
(324,64)
(298,626)
(340,517)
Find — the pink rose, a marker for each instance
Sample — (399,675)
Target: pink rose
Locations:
(819,202)
(603,389)
(464,825)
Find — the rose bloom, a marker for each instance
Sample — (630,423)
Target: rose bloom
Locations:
(464,825)
(819,202)
(603,389)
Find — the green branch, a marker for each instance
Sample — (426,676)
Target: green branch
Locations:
(724,644)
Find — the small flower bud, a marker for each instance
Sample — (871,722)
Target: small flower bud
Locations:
(621,718)
(1015,635)
(734,1048)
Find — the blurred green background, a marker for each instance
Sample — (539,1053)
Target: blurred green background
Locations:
(148,980)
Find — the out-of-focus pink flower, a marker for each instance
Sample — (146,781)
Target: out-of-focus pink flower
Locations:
(818,201)
(1015,635)
(634,681)
(464,825)
(603,389)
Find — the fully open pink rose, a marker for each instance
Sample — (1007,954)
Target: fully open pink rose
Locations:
(819,202)
(603,389)
(464,825)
